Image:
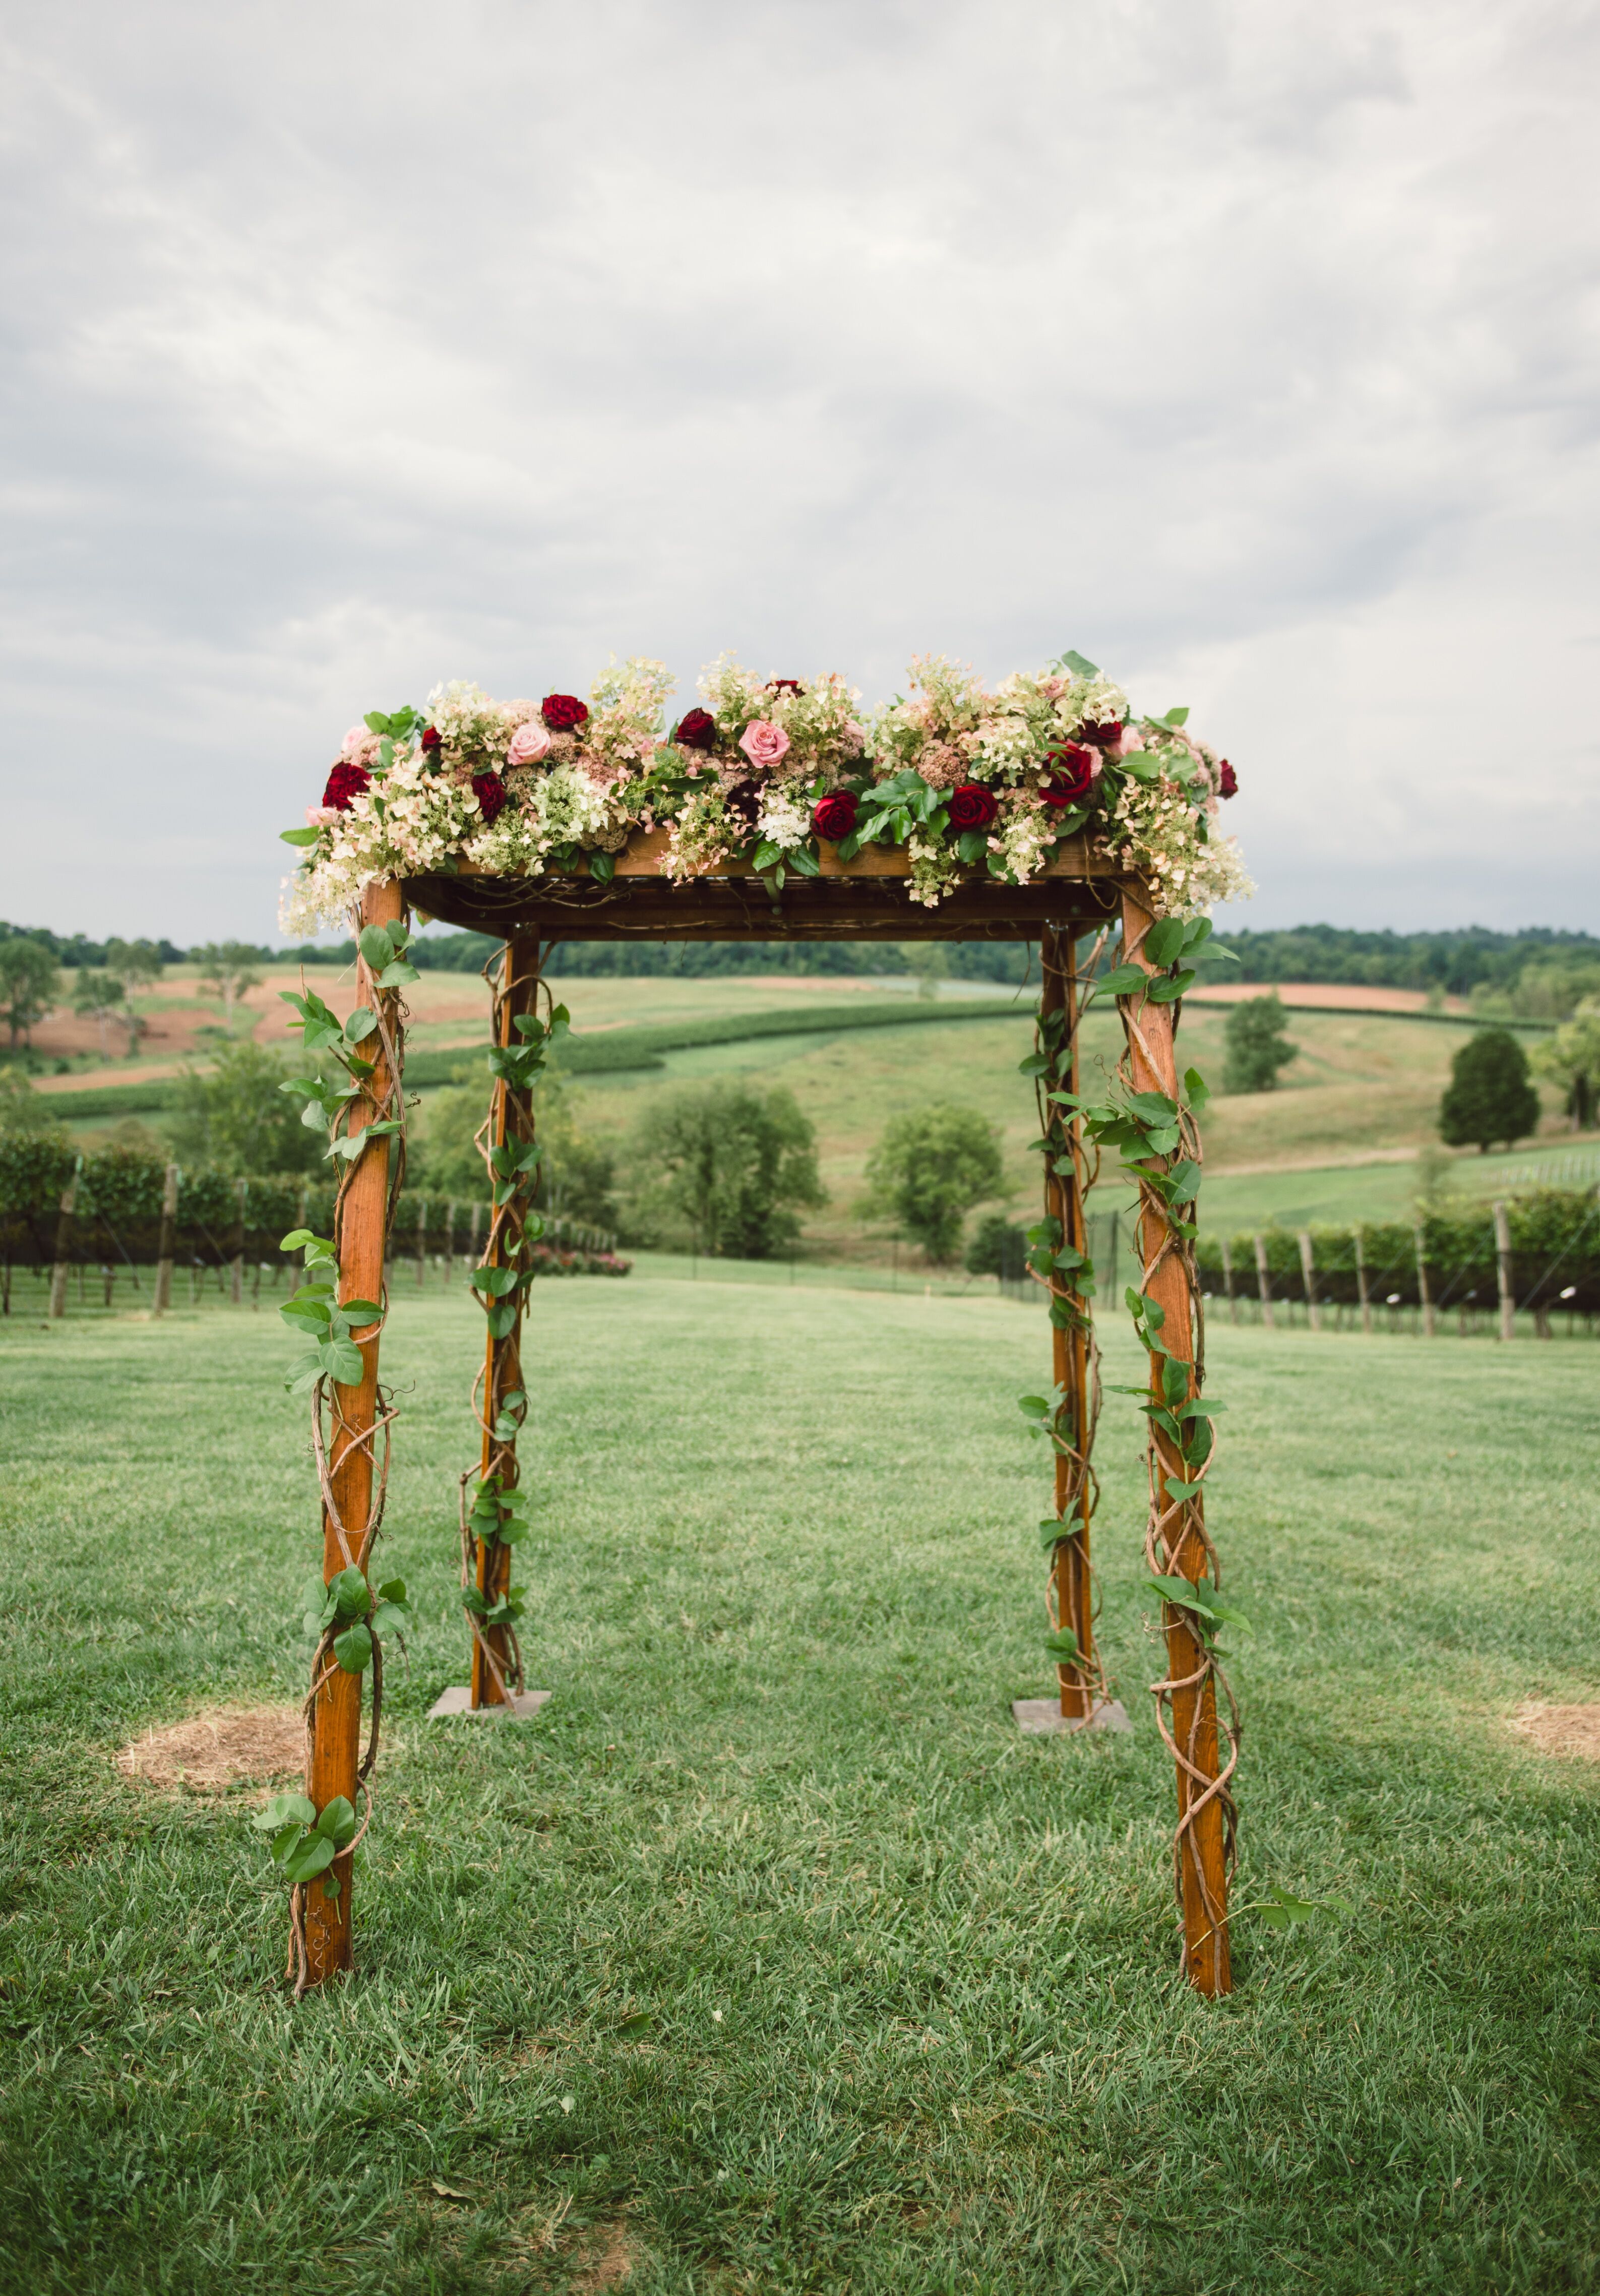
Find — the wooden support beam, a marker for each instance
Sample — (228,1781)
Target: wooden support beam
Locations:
(63,1243)
(1203,1845)
(1071,1351)
(511,1119)
(1424,1291)
(1308,1269)
(1508,1304)
(165,1243)
(360,1237)
(1362,1292)
(1264,1281)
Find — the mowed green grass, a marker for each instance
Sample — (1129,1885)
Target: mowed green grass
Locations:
(914,2017)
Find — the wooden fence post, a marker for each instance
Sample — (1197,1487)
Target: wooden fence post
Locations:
(1430,1319)
(511,1119)
(237,1290)
(1070,1348)
(1508,1330)
(63,1243)
(422,1241)
(360,1237)
(1228,1278)
(449,1236)
(1363,1294)
(1264,1281)
(1307,1268)
(1202,1839)
(165,1243)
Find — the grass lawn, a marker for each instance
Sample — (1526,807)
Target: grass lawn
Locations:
(770,1957)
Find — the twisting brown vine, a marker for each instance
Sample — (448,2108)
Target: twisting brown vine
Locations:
(495,1520)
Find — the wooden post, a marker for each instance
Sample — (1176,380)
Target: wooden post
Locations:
(511,1118)
(166,1241)
(1363,1294)
(1264,1281)
(238,1274)
(1430,1320)
(1228,1278)
(1070,1351)
(449,1236)
(422,1241)
(1307,1268)
(1508,1329)
(360,1234)
(1203,1846)
(63,1244)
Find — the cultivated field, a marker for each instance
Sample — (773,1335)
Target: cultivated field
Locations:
(769,1957)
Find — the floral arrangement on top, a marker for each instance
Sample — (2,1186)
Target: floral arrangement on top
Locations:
(770,772)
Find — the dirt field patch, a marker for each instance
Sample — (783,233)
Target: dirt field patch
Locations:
(219,1749)
(1572,1730)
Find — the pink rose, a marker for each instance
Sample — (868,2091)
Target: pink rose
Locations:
(763,744)
(529,743)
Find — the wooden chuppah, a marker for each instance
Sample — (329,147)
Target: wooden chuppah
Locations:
(1080,893)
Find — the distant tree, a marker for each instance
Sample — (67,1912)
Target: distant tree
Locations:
(1571,1059)
(233,1115)
(1488,1096)
(25,1113)
(1257,1045)
(29,983)
(930,1168)
(229,968)
(98,996)
(1000,1247)
(138,965)
(726,1164)
(928,962)
(577,1174)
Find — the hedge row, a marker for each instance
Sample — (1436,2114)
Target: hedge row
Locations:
(1554,1244)
(118,1214)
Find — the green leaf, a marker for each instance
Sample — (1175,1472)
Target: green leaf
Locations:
(1079,664)
(1196,1091)
(1063,1646)
(307,1315)
(1175,1489)
(501,1320)
(1197,1596)
(1122,980)
(1034,1406)
(971,845)
(397,975)
(299,1237)
(1174,718)
(1141,765)
(1164,940)
(603,867)
(1171,987)
(313,1855)
(354,1648)
(284,1809)
(342,1361)
(361,1311)
(337,1823)
(803,864)
(299,837)
(495,1282)
(390,1618)
(1036,1064)
(1051,1533)
(392,1590)
(360,1025)
(641,2021)
(285,1840)
(376,947)
(350,1591)
(1280,1907)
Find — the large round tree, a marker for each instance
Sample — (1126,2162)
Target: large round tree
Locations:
(1490,1095)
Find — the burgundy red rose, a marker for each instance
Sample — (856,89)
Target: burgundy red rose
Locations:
(563,713)
(1069,776)
(490,791)
(971,807)
(834,817)
(696,729)
(1227,783)
(345,785)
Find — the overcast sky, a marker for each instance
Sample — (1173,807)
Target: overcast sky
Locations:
(1249,347)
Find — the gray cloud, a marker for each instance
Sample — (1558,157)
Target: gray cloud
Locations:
(1250,348)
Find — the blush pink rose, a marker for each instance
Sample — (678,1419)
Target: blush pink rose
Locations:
(529,743)
(763,744)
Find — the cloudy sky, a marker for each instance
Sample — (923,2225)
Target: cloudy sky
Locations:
(1248,346)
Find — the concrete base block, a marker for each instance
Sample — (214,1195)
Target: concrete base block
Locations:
(1043,1717)
(459,1701)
